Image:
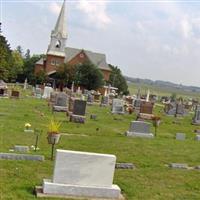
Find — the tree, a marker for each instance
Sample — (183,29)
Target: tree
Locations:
(16,67)
(65,75)
(89,76)
(5,57)
(117,80)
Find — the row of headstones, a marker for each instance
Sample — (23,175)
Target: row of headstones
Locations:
(140,106)
(142,129)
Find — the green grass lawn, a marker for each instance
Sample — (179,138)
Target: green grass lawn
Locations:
(151,180)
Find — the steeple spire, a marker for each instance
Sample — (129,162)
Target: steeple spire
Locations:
(60,26)
(59,35)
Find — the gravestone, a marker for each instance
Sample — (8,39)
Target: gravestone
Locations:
(38,92)
(90,99)
(60,103)
(180,136)
(20,148)
(97,97)
(196,118)
(81,174)
(139,129)
(79,107)
(104,101)
(78,114)
(197,137)
(180,111)
(117,106)
(170,108)
(14,94)
(146,107)
(178,165)
(14,156)
(47,92)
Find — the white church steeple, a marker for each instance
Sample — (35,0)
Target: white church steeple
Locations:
(59,35)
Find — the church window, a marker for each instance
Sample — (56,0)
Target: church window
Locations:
(81,55)
(53,62)
(57,62)
(58,44)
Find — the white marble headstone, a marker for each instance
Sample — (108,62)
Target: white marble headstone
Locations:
(82,168)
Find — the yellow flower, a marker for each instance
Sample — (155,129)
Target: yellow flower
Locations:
(27,125)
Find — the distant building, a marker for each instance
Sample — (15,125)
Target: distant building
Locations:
(58,53)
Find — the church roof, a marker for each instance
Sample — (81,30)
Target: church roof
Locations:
(97,59)
(40,62)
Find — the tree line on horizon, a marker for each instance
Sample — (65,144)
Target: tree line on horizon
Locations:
(17,65)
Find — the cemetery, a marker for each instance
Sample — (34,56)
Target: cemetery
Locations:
(72,126)
(142,168)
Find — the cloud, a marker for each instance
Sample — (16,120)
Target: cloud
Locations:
(95,11)
(54,8)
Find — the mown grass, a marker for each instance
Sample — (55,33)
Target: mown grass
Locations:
(151,179)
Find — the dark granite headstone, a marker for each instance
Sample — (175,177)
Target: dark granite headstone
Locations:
(79,107)
(15,94)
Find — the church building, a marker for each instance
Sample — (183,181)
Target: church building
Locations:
(58,53)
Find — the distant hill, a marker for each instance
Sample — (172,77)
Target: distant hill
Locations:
(163,84)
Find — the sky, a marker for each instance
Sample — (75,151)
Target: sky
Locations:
(158,40)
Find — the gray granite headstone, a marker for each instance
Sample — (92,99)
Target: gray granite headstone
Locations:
(139,129)
(197,137)
(79,107)
(180,109)
(20,148)
(118,106)
(178,165)
(105,100)
(90,98)
(61,100)
(38,92)
(14,156)
(180,136)
(196,118)
(124,166)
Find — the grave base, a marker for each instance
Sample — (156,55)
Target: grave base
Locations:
(119,113)
(143,135)
(77,118)
(50,189)
(59,109)
(196,123)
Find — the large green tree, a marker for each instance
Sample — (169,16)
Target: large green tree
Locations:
(16,67)
(117,80)
(5,57)
(89,76)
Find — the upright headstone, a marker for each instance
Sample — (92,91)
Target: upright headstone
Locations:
(60,103)
(47,92)
(196,118)
(146,107)
(14,94)
(139,129)
(104,101)
(78,114)
(38,92)
(117,106)
(90,99)
(179,110)
(82,174)
(25,84)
